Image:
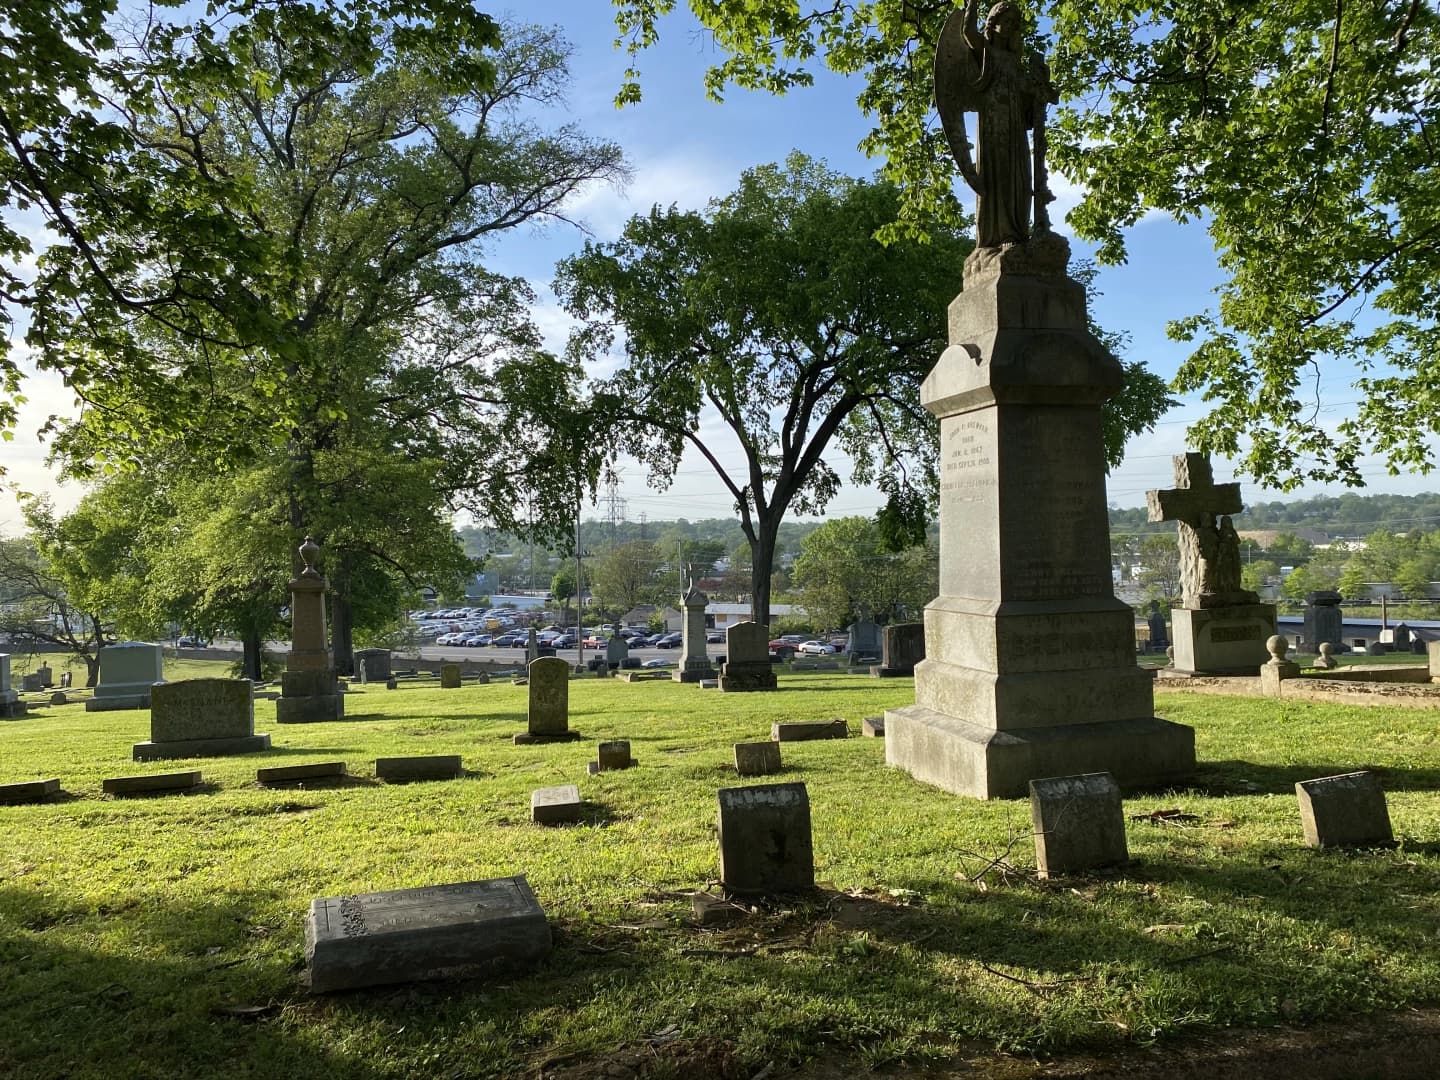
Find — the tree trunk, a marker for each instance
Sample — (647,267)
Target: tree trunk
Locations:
(92,669)
(342,619)
(762,556)
(253,651)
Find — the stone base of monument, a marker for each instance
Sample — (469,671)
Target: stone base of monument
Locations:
(735,678)
(188,748)
(409,935)
(879,671)
(970,759)
(309,697)
(1222,640)
(524,738)
(693,675)
(13,710)
(119,701)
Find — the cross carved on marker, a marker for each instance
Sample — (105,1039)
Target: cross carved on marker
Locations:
(1209,547)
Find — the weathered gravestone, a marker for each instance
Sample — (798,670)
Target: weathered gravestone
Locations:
(1323,619)
(309,690)
(555,805)
(1079,823)
(757,758)
(66,678)
(450,676)
(1277,669)
(128,671)
(694,657)
(296,774)
(1344,811)
(616,651)
(611,755)
(1029,666)
(151,783)
(419,767)
(765,843)
(378,663)
(28,791)
(1401,638)
(548,714)
(201,718)
(864,640)
(1326,660)
(1220,626)
(1159,632)
(408,935)
(59,697)
(902,646)
(747,659)
(806,730)
(532,646)
(873,727)
(31,682)
(11,707)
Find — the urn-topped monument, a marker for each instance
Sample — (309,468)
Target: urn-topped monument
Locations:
(309,691)
(1029,668)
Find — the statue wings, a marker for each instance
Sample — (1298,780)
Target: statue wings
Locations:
(957,90)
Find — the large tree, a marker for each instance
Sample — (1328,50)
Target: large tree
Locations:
(1303,134)
(107,140)
(777,310)
(844,569)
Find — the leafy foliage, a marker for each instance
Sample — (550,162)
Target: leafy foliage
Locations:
(1303,134)
(845,567)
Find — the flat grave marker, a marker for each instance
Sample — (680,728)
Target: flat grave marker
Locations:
(151,782)
(806,730)
(28,791)
(555,805)
(409,935)
(757,758)
(611,755)
(419,767)
(289,774)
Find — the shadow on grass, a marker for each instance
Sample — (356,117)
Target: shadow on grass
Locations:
(317,783)
(70,1009)
(313,751)
(1233,777)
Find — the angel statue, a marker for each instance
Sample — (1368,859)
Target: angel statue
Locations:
(986,71)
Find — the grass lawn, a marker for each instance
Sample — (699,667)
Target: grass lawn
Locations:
(128,926)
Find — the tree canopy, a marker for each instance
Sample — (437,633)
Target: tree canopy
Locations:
(1304,135)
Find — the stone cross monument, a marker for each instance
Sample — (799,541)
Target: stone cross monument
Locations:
(1220,626)
(309,691)
(1029,668)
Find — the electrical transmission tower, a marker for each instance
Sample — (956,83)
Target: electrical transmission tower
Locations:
(614,504)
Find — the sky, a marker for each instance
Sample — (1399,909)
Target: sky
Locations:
(685,149)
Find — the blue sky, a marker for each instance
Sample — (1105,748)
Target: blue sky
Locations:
(685,149)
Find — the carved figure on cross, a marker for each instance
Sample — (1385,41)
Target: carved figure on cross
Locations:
(1209,544)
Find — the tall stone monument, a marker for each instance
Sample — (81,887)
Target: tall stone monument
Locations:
(1029,668)
(1219,627)
(694,657)
(309,691)
(1323,619)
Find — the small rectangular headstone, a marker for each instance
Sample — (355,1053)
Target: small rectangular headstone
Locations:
(757,758)
(765,842)
(554,805)
(873,727)
(289,774)
(139,785)
(1344,811)
(450,676)
(804,730)
(407,935)
(420,767)
(31,683)
(1079,823)
(612,755)
(28,791)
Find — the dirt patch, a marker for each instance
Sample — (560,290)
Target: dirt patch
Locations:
(1393,1046)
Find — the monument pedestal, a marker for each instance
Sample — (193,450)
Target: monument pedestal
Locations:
(694,657)
(1222,640)
(309,697)
(1029,668)
(309,689)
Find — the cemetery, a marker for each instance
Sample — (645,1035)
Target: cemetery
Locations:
(1272,886)
(988,842)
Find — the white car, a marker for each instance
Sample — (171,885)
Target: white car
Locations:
(815,648)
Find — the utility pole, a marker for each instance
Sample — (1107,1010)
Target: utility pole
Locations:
(579,631)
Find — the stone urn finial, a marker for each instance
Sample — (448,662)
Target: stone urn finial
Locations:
(309,552)
(1277,645)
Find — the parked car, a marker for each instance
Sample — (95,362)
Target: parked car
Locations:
(594,641)
(668,641)
(507,640)
(564,641)
(815,648)
(658,662)
(715,637)
(192,643)
(448,638)
(477,641)
(782,649)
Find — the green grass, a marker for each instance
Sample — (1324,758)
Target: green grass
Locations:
(124,923)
